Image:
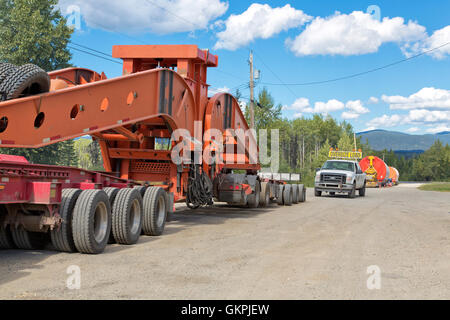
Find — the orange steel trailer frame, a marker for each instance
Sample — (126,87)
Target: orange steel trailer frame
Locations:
(163,88)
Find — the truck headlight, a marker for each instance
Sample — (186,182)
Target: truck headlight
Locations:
(317,177)
(349,179)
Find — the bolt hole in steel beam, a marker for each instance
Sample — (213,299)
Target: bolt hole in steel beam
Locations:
(130,98)
(3,124)
(105,105)
(74,111)
(39,120)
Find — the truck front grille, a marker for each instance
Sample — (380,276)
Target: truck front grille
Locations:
(332,178)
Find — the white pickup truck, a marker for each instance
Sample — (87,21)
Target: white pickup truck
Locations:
(340,176)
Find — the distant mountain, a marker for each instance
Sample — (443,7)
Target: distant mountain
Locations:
(403,142)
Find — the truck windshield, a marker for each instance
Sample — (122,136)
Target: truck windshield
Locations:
(339,165)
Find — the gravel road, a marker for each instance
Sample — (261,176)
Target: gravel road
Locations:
(320,249)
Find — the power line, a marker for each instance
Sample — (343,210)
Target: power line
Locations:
(357,74)
(94,50)
(276,76)
(93,54)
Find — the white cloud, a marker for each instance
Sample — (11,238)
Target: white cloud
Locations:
(353,34)
(437,39)
(374,100)
(258,21)
(356,109)
(212,91)
(157,16)
(428,98)
(327,107)
(349,115)
(417,116)
(413,129)
(299,105)
(385,121)
(439,129)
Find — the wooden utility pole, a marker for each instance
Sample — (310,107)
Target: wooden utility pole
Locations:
(252,110)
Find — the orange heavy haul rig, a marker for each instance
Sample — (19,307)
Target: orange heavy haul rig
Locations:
(162,94)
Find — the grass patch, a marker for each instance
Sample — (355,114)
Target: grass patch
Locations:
(437,186)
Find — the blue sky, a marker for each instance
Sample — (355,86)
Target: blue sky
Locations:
(297,42)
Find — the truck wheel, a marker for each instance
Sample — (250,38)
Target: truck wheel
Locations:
(5,70)
(91,223)
(62,237)
(27,240)
(287,195)
(280,194)
(332,193)
(352,193)
(302,192)
(295,193)
(27,80)
(317,193)
(127,216)
(264,199)
(111,193)
(362,191)
(254,198)
(6,239)
(155,211)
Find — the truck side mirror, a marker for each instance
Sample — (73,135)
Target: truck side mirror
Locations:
(317,169)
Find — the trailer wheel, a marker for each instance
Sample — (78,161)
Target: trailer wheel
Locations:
(27,240)
(287,195)
(155,211)
(6,239)
(264,197)
(62,237)
(254,198)
(27,80)
(295,193)
(112,193)
(280,194)
(141,190)
(127,216)
(5,70)
(302,193)
(91,223)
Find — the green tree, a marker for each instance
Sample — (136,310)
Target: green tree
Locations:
(34,31)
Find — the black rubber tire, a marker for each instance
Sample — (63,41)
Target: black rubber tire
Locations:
(280,194)
(27,240)
(27,80)
(362,191)
(83,222)
(112,193)
(5,70)
(141,189)
(332,193)
(264,197)
(254,198)
(295,193)
(287,195)
(302,192)
(153,223)
(352,193)
(6,239)
(62,237)
(124,230)
(317,193)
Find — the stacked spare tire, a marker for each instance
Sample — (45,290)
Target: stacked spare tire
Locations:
(22,81)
